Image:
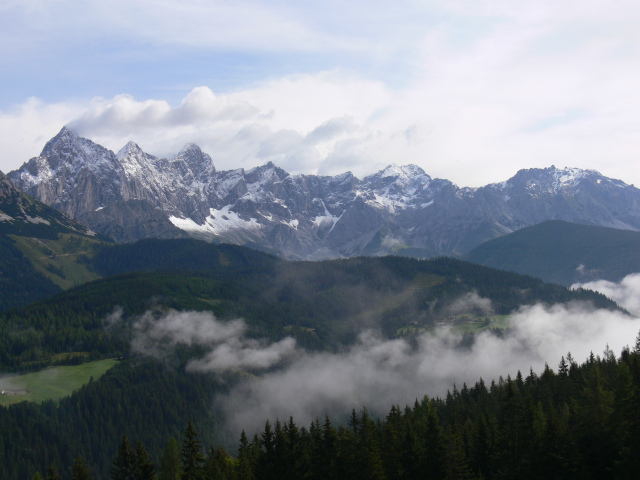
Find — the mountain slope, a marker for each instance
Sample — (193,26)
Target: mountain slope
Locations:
(31,264)
(562,252)
(321,304)
(400,210)
(23,215)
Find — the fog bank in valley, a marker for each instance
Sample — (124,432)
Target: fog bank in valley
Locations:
(376,372)
(626,293)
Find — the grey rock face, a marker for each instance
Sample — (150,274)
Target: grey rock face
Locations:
(23,215)
(132,195)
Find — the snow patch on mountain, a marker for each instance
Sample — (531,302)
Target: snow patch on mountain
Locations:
(37,220)
(292,223)
(568,177)
(217,223)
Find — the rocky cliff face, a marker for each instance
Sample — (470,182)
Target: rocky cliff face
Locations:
(132,194)
(23,215)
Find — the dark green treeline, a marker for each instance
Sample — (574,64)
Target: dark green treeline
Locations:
(579,422)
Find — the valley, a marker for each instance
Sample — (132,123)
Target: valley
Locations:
(289,240)
(227,336)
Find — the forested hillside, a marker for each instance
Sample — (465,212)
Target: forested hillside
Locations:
(581,421)
(20,283)
(321,304)
(35,272)
(154,392)
(563,252)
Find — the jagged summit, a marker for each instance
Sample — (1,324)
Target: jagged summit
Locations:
(64,136)
(399,209)
(131,148)
(198,161)
(394,170)
(189,148)
(554,180)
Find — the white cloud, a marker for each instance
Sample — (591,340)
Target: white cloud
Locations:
(473,92)
(626,293)
(244,354)
(26,128)
(124,116)
(157,334)
(378,373)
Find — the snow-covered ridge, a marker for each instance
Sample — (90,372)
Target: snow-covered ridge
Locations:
(301,215)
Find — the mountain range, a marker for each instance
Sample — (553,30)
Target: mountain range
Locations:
(131,195)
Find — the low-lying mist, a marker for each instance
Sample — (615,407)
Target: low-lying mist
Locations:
(376,372)
(626,293)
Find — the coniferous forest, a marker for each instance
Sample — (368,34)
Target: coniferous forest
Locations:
(578,421)
(151,418)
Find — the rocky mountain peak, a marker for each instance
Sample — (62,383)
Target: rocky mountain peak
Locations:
(197,161)
(130,149)
(399,186)
(73,154)
(554,180)
(189,149)
(64,137)
(266,174)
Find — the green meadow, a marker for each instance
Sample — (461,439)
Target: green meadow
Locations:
(51,383)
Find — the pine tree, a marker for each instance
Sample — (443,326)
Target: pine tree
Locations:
(391,453)
(369,456)
(192,457)
(244,464)
(125,465)
(52,473)
(563,368)
(218,465)
(171,463)
(628,466)
(146,469)
(433,461)
(267,468)
(80,471)
(296,456)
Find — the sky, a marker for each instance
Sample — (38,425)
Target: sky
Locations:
(471,91)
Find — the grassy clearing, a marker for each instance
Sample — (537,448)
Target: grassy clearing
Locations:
(60,260)
(51,383)
(290,328)
(214,302)
(475,324)
(463,323)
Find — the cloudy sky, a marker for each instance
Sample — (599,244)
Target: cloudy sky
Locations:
(471,91)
